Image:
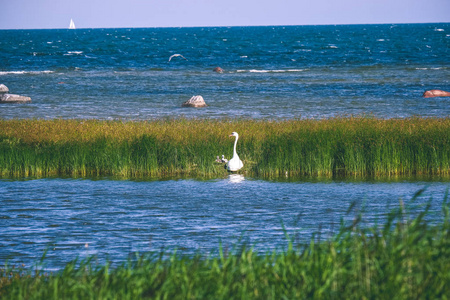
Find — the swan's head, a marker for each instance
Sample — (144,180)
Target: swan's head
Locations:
(234,134)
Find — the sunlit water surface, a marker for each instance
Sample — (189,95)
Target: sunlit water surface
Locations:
(115,218)
(269,72)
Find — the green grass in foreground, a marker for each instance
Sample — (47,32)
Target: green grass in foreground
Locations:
(404,259)
(338,146)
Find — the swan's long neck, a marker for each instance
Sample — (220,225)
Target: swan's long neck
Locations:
(234,149)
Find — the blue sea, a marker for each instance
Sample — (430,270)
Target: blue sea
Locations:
(269,72)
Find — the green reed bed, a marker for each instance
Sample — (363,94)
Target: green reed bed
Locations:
(406,258)
(337,146)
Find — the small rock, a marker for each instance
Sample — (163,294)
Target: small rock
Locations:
(435,93)
(218,70)
(14,98)
(195,101)
(3,89)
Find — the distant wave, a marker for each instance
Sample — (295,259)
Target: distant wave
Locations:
(25,72)
(438,68)
(74,52)
(271,71)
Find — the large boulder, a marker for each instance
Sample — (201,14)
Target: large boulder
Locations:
(195,101)
(3,89)
(8,98)
(436,93)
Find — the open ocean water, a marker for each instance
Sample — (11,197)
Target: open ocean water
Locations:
(270,72)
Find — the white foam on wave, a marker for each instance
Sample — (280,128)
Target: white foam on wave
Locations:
(25,72)
(74,52)
(429,68)
(270,71)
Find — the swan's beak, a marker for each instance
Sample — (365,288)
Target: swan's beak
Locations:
(231,135)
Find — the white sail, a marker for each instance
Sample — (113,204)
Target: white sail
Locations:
(72,24)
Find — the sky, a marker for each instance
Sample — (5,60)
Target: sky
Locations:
(43,14)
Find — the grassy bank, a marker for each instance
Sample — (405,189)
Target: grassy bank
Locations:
(406,258)
(344,146)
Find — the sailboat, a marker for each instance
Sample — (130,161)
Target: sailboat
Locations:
(72,24)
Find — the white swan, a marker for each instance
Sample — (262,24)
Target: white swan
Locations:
(235,163)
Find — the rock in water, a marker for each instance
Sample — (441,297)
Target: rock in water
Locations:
(435,93)
(3,89)
(9,98)
(218,70)
(195,101)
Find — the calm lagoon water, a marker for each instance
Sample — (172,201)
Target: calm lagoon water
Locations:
(115,218)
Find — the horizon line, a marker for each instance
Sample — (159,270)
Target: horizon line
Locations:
(227,26)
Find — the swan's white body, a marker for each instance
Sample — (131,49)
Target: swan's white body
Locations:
(235,163)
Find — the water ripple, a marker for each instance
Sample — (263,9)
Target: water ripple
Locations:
(110,218)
